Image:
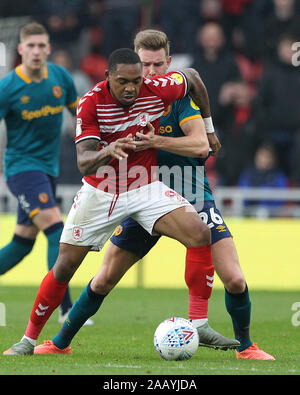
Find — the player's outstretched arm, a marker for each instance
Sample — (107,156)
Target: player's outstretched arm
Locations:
(90,157)
(198,92)
(194,144)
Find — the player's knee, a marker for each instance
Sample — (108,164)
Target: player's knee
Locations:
(200,236)
(103,285)
(236,284)
(65,266)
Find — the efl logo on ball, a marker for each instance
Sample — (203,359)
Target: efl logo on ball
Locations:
(176,339)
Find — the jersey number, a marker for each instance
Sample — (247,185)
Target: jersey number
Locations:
(214,217)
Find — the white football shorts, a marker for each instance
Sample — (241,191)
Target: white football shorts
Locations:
(95,213)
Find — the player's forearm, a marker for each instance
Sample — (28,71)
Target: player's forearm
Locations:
(90,161)
(198,92)
(90,158)
(185,146)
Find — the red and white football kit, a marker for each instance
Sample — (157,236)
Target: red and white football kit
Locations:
(127,187)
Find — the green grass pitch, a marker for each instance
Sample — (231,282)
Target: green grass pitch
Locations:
(121,341)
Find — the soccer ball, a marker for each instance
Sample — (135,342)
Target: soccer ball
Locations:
(176,339)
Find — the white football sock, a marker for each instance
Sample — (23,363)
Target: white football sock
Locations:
(32,341)
(199,322)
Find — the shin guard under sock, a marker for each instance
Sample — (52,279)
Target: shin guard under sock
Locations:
(239,308)
(49,297)
(85,306)
(53,234)
(199,276)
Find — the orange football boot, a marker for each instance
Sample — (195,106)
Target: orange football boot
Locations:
(48,347)
(253,352)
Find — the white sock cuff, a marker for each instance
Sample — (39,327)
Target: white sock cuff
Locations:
(199,322)
(32,341)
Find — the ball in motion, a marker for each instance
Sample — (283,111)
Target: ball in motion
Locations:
(176,339)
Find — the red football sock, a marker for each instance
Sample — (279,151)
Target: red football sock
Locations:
(199,276)
(49,297)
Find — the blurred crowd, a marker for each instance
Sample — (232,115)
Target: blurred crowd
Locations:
(246,51)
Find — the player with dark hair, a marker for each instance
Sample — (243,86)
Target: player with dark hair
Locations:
(187,149)
(32,100)
(196,145)
(118,181)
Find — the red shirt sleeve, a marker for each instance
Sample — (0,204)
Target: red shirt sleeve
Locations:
(87,123)
(169,87)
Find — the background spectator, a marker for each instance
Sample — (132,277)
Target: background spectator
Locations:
(283,19)
(178,20)
(263,173)
(277,107)
(120,21)
(215,63)
(239,139)
(69,173)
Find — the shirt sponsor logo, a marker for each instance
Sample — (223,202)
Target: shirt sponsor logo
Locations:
(43,112)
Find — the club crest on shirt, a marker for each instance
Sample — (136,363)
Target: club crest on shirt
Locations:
(57,91)
(143,119)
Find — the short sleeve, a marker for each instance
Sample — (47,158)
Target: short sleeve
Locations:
(169,87)
(186,110)
(72,98)
(4,102)
(87,123)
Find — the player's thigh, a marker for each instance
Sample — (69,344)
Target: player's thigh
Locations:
(116,263)
(131,236)
(91,221)
(227,266)
(161,210)
(184,225)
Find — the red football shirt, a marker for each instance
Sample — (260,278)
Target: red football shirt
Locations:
(101,117)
